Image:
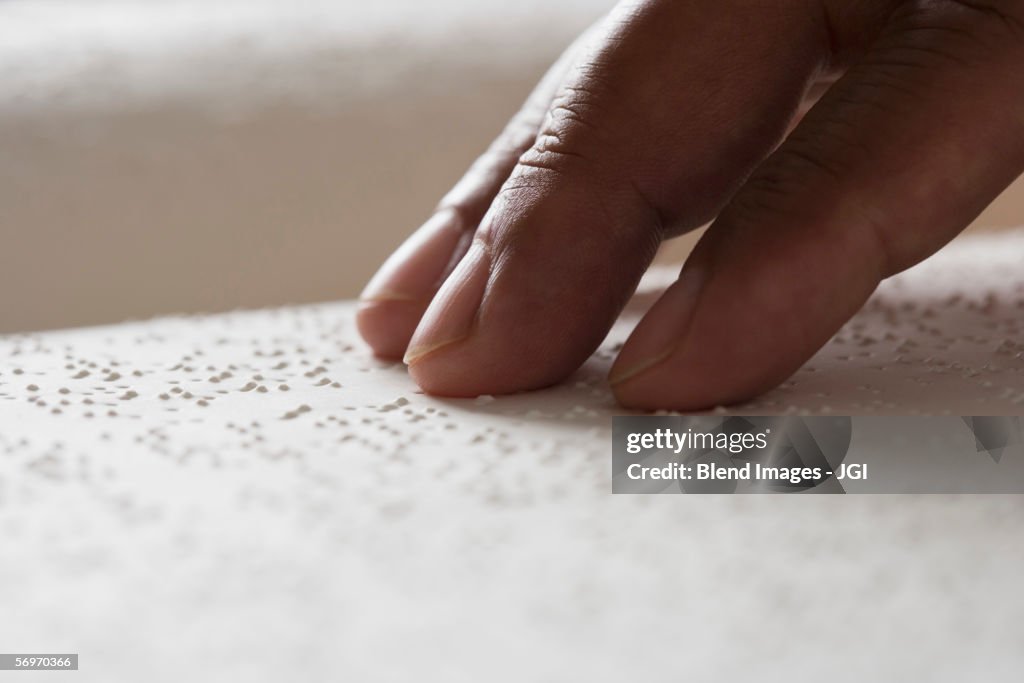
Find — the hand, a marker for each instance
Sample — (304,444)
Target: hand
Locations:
(674,112)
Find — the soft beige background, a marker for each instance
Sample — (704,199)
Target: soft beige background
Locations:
(164,156)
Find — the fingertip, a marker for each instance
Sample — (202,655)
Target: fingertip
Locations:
(713,338)
(756,322)
(676,388)
(467,368)
(439,372)
(395,299)
(388,325)
(663,328)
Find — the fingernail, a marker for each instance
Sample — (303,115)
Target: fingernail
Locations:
(452,314)
(662,330)
(416,268)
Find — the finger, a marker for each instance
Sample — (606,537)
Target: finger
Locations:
(394,300)
(907,148)
(566,240)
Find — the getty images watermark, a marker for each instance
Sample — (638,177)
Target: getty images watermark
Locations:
(715,454)
(734,443)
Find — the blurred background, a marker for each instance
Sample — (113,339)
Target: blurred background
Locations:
(165,156)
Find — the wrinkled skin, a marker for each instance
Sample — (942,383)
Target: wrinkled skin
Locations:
(833,143)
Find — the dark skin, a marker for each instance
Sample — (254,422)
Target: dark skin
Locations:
(833,144)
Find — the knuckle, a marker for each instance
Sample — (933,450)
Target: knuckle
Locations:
(968,30)
(1006,16)
(785,176)
(571,126)
(777,194)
